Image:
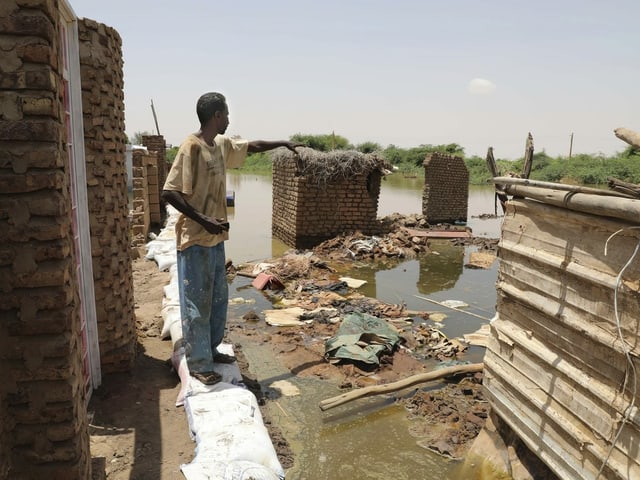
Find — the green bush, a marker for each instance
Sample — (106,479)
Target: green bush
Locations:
(581,168)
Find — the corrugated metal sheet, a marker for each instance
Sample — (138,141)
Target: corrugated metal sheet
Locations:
(555,364)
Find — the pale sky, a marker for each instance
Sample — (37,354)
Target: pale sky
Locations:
(404,72)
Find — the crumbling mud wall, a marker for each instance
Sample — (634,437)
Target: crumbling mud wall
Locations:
(105,142)
(318,195)
(445,196)
(42,396)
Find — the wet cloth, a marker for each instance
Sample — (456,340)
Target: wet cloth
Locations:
(363,338)
(204,294)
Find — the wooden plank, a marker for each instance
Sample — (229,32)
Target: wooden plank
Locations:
(573,236)
(534,425)
(553,425)
(538,427)
(574,320)
(586,399)
(573,295)
(438,233)
(593,358)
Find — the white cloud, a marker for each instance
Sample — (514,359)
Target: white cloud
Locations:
(481,86)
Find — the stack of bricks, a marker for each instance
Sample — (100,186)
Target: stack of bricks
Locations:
(445,196)
(105,143)
(156,175)
(43,418)
(305,212)
(140,220)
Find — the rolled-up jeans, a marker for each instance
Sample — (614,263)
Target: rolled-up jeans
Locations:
(204,295)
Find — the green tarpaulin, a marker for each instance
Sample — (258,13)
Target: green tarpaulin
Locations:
(363,338)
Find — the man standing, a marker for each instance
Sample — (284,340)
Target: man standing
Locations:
(196,187)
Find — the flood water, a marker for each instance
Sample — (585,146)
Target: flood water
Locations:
(369,438)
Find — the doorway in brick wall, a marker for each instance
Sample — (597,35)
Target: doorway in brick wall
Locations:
(73,124)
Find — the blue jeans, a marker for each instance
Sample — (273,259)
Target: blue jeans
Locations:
(204,297)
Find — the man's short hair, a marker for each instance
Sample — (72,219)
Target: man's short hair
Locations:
(208,104)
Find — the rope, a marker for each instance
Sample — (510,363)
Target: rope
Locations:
(631,369)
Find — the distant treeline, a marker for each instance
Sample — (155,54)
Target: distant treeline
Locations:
(580,169)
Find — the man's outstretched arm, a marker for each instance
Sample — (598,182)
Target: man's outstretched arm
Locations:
(256,146)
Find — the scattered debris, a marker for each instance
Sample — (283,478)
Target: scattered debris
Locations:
(480,260)
(479,337)
(434,343)
(445,421)
(264,280)
(352,282)
(284,317)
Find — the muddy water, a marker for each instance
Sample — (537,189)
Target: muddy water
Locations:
(369,438)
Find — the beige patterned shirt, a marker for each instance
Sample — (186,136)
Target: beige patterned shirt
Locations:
(199,172)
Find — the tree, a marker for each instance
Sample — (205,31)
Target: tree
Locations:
(324,143)
(136,139)
(171,154)
(368,147)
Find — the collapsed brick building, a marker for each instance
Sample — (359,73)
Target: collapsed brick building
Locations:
(445,197)
(319,195)
(66,312)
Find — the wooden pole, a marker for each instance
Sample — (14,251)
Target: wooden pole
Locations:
(155,118)
(570,145)
(629,136)
(612,206)
(400,384)
(493,168)
(524,182)
(528,157)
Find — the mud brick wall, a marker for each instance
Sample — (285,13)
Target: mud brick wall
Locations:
(42,399)
(101,69)
(445,196)
(306,213)
(156,176)
(140,220)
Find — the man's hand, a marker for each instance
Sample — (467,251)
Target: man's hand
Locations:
(292,146)
(214,226)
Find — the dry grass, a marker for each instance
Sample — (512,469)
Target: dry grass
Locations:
(325,167)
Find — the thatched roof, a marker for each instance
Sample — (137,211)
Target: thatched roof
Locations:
(335,165)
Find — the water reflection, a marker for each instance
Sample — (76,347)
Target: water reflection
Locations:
(441,269)
(250,232)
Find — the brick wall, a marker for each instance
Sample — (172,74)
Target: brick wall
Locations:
(156,175)
(105,143)
(445,195)
(306,212)
(42,399)
(140,219)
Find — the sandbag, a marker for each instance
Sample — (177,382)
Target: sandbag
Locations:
(232,441)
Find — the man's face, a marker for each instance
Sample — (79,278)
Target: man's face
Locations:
(222,120)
